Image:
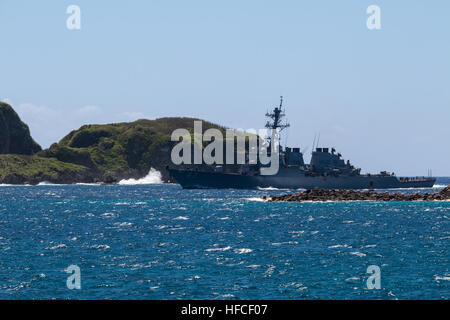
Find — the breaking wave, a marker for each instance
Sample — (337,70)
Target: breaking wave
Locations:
(271,189)
(153,177)
(256,199)
(47,183)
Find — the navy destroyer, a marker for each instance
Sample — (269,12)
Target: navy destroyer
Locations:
(326,170)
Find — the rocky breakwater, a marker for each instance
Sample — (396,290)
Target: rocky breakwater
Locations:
(354,195)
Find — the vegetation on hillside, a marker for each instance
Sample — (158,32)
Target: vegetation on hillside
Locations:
(100,153)
(94,153)
(23,169)
(121,150)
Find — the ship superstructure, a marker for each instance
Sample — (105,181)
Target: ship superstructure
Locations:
(327,170)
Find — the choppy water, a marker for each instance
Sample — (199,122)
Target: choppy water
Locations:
(162,242)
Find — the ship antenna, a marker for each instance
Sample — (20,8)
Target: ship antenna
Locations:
(314,142)
(276,117)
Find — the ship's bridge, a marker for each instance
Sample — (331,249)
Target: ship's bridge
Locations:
(293,157)
(323,160)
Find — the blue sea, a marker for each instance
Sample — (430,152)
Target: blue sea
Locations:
(163,242)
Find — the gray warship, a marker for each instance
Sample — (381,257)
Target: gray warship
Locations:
(326,170)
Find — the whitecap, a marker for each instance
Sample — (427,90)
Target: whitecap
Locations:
(88,184)
(269,189)
(257,199)
(286,242)
(357,253)
(123,224)
(108,214)
(181,218)
(352,279)
(444,278)
(297,232)
(270,270)
(100,246)
(153,177)
(218,249)
(243,250)
(59,246)
(340,246)
(46,183)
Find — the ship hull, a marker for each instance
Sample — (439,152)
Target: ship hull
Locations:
(290,179)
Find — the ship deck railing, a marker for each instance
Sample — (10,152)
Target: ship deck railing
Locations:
(415,179)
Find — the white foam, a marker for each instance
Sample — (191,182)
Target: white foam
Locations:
(359,254)
(444,278)
(256,199)
(243,250)
(59,246)
(286,242)
(100,246)
(123,224)
(181,218)
(153,177)
(352,279)
(218,249)
(88,184)
(340,246)
(271,189)
(46,183)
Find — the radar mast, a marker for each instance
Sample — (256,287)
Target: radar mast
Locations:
(275,122)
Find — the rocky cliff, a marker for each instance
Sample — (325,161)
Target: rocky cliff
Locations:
(15,136)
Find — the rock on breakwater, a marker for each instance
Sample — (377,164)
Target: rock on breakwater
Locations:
(354,195)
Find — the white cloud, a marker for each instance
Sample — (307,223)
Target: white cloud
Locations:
(89,110)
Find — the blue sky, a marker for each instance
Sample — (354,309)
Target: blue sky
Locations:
(380,97)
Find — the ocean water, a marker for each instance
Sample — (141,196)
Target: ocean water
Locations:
(163,242)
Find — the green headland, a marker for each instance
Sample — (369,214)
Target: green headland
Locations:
(93,153)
